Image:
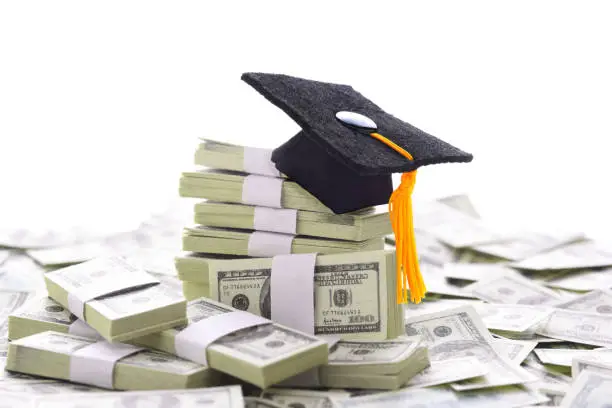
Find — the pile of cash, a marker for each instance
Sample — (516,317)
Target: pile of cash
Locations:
(511,319)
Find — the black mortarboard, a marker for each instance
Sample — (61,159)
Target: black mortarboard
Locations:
(346,152)
(341,166)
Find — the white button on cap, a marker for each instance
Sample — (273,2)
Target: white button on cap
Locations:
(356,120)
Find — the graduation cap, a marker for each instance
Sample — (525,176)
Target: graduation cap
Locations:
(346,152)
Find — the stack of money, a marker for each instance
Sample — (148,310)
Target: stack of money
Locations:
(362,282)
(246,194)
(117,299)
(263,354)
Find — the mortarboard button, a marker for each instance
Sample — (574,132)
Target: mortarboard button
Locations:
(357,121)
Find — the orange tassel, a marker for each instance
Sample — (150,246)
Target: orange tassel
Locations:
(400,211)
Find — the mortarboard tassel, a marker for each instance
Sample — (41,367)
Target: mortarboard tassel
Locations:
(400,210)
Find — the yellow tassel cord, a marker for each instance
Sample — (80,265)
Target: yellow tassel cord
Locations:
(400,210)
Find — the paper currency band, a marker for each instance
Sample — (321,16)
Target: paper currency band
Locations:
(267,244)
(263,191)
(292,291)
(95,364)
(191,343)
(282,220)
(114,284)
(258,161)
(80,328)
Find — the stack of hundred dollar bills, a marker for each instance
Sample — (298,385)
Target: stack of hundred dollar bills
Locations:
(510,319)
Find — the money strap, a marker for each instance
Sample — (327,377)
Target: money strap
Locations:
(265,244)
(261,190)
(292,291)
(80,328)
(191,343)
(275,220)
(133,280)
(95,364)
(258,161)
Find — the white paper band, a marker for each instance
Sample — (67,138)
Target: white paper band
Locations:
(80,328)
(77,299)
(275,219)
(266,244)
(258,161)
(261,190)
(191,342)
(95,364)
(292,291)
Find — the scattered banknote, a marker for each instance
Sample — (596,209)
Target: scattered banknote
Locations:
(515,351)
(438,284)
(460,332)
(117,299)
(510,289)
(214,397)
(448,371)
(360,282)
(585,328)
(597,301)
(409,398)
(24,238)
(304,398)
(512,317)
(477,271)
(262,355)
(254,402)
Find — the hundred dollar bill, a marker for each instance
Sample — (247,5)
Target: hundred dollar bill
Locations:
(597,301)
(304,398)
(354,292)
(513,290)
(585,328)
(37,386)
(580,255)
(582,280)
(214,397)
(591,389)
(262,355)
(50,354)
(367,223)
(512,318)
(438,284)
(116,299)
(366,365)
(227,156)
(236,242)
(224,186)
(458,333)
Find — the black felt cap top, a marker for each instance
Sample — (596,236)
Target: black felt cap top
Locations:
(329,158)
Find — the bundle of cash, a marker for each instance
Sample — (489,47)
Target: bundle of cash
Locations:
(62,356)
(223,186)
(116,299)
(366,365)
(236,242)
(368,223)
(262,354)
(360,282)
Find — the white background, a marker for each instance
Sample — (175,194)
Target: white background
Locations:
(101,103)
